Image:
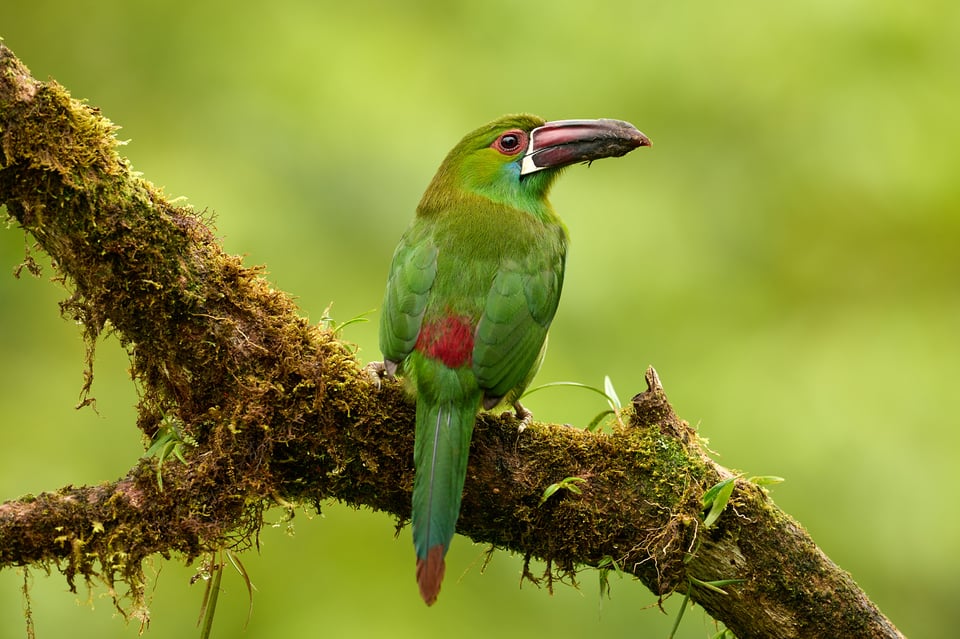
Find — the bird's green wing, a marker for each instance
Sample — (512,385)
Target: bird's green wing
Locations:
(412,274)
(513,327)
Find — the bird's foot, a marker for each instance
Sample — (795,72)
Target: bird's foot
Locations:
(377,371)
(524,416)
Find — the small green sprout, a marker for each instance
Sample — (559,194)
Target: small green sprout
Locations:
(683,609)
(326,320)
(605,566)
(212,573)
(567,483)
(611,393)
(208,607)
(168,441)
(715,586)
(608,393)
(716,499)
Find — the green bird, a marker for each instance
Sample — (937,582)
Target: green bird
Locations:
(472,290)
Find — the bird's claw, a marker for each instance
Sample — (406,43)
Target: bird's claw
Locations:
(524,416)
(376,371)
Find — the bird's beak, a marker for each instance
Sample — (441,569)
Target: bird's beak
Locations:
(565,142)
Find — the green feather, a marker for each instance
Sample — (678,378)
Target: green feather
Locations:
(444,427)
(408,287)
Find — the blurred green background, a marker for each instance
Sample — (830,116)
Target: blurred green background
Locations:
(786,255)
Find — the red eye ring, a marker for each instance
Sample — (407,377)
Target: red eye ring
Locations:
(511,142)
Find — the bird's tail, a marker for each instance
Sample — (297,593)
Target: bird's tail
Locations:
(440,458)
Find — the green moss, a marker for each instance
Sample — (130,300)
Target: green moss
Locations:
(212,345)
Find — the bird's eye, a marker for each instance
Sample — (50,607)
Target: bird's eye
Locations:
(511,142)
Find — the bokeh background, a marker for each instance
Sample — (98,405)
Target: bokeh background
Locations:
(786,255)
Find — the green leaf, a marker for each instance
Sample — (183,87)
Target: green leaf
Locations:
(548,493)
(594,389)
(240,568)
(178,453)
(353,320)
(567,483)
(595,422)
(683,609)
(609,563)
(711,494)
(715,585)
(716,498)
(168,441)
(611,394)
(208,607)
(159,441)
(765,480)
(608,393)
(326,320)
(605,566)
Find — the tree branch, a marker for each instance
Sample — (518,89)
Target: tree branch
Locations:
(271,410)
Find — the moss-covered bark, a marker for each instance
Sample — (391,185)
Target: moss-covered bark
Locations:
(279,411)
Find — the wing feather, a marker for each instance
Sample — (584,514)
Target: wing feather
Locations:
(412,274)
(513,327)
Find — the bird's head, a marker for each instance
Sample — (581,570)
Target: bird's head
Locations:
(514,159)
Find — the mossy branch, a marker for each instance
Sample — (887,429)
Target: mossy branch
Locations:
(282,412)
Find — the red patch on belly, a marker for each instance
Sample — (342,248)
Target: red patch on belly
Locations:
(448,339)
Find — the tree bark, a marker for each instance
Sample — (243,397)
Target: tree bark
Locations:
(270,410)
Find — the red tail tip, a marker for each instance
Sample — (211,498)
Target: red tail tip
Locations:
(430,574)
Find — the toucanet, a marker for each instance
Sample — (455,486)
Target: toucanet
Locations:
(473,287)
